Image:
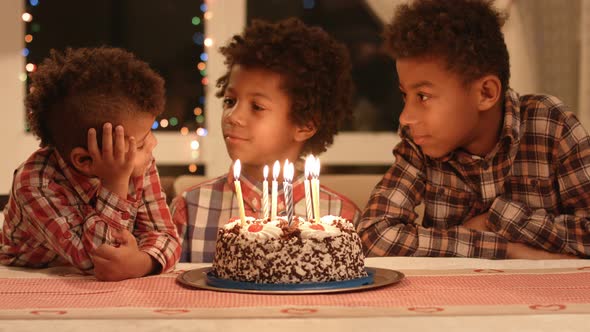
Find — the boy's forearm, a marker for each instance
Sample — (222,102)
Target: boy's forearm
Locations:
(523,251)
(145,265)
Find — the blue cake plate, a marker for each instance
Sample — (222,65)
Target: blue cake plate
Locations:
(203,278)
(212,280)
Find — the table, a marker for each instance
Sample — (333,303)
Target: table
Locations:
(437,294)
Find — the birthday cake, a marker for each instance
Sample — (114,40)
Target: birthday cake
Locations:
(272,251)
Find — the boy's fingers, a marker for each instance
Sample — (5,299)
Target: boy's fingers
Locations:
(105,251)
(99,261)
(119,153)
(119,235)
(92,143)
(107,140)
(132,150)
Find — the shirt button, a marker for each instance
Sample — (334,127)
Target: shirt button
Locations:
(125,215)
(67,235)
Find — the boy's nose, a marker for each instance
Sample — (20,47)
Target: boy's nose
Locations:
(407,117)
(235,115)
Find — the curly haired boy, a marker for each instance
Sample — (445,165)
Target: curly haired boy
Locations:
(90,196)
(500,175)
(286,92)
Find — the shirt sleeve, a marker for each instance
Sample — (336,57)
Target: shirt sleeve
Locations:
(70,229)
(179,212)
(155,232)
(561,233)
(388,227)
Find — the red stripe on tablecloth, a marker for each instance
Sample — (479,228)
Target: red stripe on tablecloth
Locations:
(414,291)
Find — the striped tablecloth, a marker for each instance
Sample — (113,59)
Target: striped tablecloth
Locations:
(433,286)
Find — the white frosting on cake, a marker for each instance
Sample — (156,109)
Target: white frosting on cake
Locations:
(275,252)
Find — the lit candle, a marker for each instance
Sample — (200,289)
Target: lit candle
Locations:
(309,162)
(237,169)
(265,208)
(276,168)
(288,171)
(315,189)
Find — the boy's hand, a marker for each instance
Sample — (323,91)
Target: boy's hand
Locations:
(478,223)
(123,262)
(113,165)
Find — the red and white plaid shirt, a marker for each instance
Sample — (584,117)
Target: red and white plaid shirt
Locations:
(57,216)
(201,210)
(535,183)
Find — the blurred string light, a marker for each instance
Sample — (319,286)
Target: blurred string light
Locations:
(34,27)
(200,39)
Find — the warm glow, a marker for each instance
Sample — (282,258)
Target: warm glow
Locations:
(30,67)
(316,169)
(288,171)
(184,131)
(208,42)
(201,132)
(237,169)
(208,15)
(202,66)
(265,172)
(192,168)
(276,168)
(28,38)
(194,145)
(164,123)
(309,164)
(27,17)
(198,111)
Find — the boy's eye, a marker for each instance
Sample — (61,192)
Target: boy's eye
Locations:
(257,107)
(423,97)
(228,102)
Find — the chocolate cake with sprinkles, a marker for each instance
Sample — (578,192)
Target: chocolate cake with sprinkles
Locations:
(272,251)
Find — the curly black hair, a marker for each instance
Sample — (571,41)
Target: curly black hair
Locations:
(83,88)
(314,67)
(465,33)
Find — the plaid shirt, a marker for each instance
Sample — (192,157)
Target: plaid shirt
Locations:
(210,205)
(56,216)
(535,183)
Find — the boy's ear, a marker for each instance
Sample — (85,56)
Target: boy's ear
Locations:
(81,160)
(489,91)
(303,133)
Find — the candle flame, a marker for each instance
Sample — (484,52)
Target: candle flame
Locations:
(309,164)
(288,171)
(276,168)
(315,172)
(265,172)
(237,169)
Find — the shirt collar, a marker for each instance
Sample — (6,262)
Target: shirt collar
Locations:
(84,185)
(512,117)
